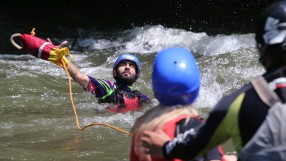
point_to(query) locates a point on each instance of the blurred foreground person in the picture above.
(176, 84)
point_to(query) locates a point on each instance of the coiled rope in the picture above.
(75, 112)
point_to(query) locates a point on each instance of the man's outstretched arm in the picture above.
(74, 72)
(77, 76)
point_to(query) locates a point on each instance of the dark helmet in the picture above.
(271, 33)
(175, 77)
(128, 57)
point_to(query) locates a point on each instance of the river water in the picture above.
(37, 121)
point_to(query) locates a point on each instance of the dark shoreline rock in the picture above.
(220, 16)
(60, 18)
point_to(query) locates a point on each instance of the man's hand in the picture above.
(62, 45)
(153, 142)
(58, 54)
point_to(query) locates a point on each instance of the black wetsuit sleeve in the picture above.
(197, 142)
(195, 122)
(188, 145)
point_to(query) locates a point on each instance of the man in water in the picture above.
(126, 71)
(121, 94)
(238, 115)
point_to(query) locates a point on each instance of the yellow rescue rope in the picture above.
(75, 113)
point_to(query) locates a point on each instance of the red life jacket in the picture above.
(170, 129)
(125, 101)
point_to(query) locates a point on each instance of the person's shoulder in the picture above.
(139, 93)
(233, 95)
(226, 101)
(189, 123)
(145, 98)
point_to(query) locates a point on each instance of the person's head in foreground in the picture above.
(271, 36)
(176, 85)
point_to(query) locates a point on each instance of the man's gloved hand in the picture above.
(58, 54)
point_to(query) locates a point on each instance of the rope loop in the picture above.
(13, 42)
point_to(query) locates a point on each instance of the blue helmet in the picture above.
(130, 58)
(175, 77)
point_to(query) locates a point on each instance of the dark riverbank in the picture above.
(61, 17)
(224, 15)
